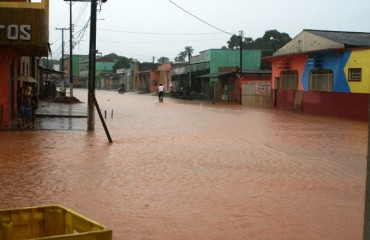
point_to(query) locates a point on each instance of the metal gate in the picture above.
(256, 94)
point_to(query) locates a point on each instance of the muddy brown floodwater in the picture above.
(191, 170)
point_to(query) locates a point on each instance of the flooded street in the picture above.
(190, 170)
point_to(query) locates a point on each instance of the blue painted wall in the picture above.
(333, 61)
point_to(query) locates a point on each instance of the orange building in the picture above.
(160, 76)
(24, 37)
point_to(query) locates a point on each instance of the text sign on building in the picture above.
(23, 27)
(263, 88)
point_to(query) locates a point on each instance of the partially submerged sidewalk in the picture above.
(61, 116)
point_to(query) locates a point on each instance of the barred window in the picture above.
(354, 74)
(289, 80)
(321, 80)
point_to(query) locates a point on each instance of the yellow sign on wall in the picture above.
(24, 29)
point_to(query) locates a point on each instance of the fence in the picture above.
(256, 94)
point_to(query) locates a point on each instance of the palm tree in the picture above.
(189, 51)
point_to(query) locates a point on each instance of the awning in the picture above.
(25, 79)
(217, 74)
(49, 71)
(256, 72)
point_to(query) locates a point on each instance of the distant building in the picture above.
(145, 80)
(79, 70)
(104, 67)
(215, 74)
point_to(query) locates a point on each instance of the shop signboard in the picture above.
(24, 28)
(197, 67)
(263, 88)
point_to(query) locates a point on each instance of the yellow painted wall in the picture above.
(359, 59)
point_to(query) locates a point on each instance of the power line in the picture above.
(152, 42)
(152, 33)
(200, 19)
(80, 34)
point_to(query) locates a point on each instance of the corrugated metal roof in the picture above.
(358, 39)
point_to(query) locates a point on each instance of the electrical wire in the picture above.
(175, 41)
(153, 33)
(80, 34)
(200, 18)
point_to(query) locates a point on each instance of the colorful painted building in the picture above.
(24, 37)
(161, 76)
(103, 67)
(144, 80)
(213, 73)
(79, 70)
(324, 73)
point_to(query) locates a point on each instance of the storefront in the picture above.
(24, 36)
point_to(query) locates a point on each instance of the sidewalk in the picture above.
(61, 116)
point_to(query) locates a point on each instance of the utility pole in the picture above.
(62, 29)
(91, 100)
(241, 33)
(92, 69)
(70, 51)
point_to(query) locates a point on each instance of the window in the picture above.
(321, 80)
(354, 74)
(289, 80)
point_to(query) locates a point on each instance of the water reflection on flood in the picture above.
(190, 170)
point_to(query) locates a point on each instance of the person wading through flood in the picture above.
(160, 92)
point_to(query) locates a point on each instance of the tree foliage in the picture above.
(112, 56)
(187, 53)
(122, 62)
(181, 57)
(163, 60)
(272, 39)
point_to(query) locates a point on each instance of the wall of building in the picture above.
(4, 89)
(285, 99)
(359, 59)
(291, 63)
(333, 61)
(10, 65)
(343, 105)
(338, 62)
(229, 58)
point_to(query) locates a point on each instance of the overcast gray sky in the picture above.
(143, 29)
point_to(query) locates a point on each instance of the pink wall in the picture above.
(297, 63)
(352, 106)
(343, 105)
(162, 76)
(285, 99)
(154, 76)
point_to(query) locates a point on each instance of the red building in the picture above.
(24, 37)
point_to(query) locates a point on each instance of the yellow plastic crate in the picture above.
(49, 222)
